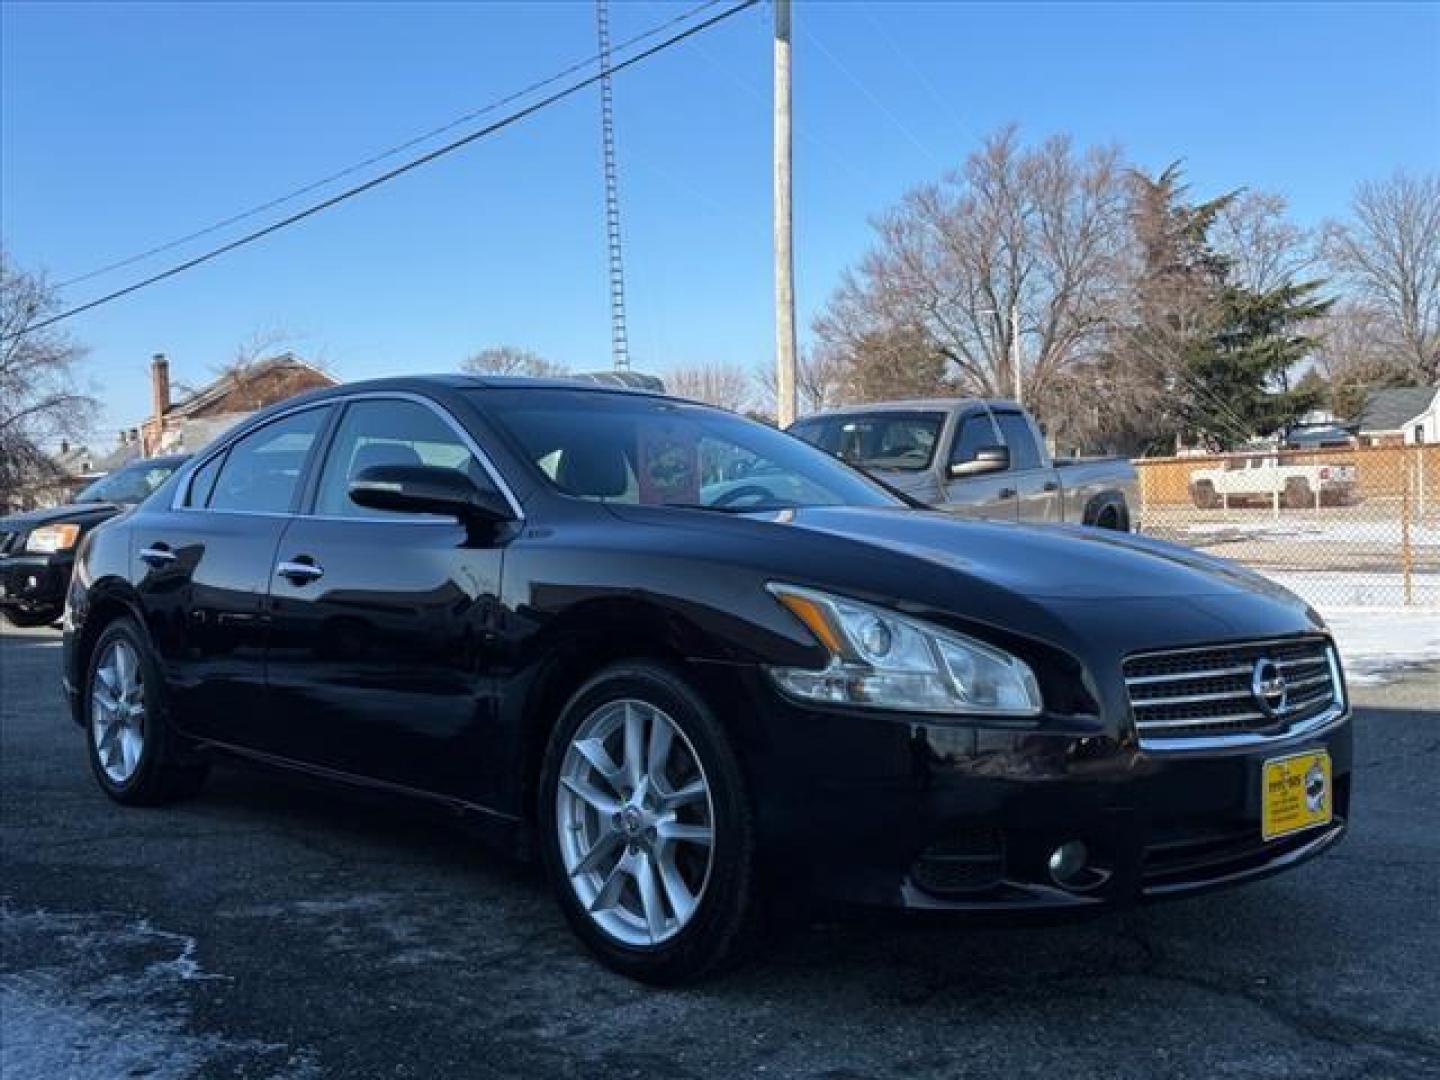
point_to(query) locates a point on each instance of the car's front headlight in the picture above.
(889, 661)
(52, 538)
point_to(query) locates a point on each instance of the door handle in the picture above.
(157, 555)
(1052, 485)
(299, 573)
(1006, 493)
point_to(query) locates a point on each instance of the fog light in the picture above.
(1068, 860)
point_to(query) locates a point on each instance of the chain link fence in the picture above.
(1344, 528)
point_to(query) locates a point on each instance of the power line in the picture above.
(383, 155)
(414, 163)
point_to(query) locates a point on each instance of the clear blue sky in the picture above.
(124, 125)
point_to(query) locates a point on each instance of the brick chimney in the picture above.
(160, 385)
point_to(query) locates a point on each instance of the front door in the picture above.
(987, 495)
(203, 568)
(381, 621)
(1037, 488)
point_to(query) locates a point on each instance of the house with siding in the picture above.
(1400, 415)
(186, 425)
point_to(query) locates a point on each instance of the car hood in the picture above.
(1043, 561)
(79, 512)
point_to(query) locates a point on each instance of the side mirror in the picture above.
(428, 489)
(987, 459)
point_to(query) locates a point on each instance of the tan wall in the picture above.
(1382, 472)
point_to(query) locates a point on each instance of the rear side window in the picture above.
(1024, 454)
(389, 433)
(261, 473)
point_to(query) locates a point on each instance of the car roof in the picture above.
(456, 381)
(910, 405)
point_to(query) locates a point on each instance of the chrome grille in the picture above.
(1210, 692)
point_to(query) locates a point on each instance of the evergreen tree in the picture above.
(1210, 357)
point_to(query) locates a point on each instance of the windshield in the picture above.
(659, 452)
(888, 440)
(132, 484)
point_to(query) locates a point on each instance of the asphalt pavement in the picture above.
(274, 929)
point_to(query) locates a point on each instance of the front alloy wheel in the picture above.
(646, 828)
(635, 822)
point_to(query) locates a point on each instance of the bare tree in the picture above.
(1389, 253)
(40, 399)
(724, 385)
(1264, 247)
(1353, 356)
(511, 360)
(821, 381)
(1039, 228)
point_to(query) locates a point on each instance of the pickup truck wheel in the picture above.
(1204, 495)
(1298, 494)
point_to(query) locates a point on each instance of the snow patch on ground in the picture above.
(1327, 532)
(102, 996)
(1341, 590)
(1376, 647)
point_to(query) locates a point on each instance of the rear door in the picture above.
(992, 496)
(382, 628)
(203, 565)
(1033, 478)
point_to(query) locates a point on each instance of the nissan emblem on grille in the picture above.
(1269, 686)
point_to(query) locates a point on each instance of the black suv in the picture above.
(37, 549)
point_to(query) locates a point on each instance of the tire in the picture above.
(1297, 495)
(703, 897)
(26, 620)
(1112, 516)
(136, 758)
(1204, 496)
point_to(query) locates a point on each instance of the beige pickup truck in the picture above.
(977, 459)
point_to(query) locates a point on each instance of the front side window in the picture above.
(1024, 453)
(389, 433)
(261, 473)
(976, 433)
(655, 451)
(903, 441)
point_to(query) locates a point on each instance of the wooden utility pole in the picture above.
(785, 404)
(1015, 351)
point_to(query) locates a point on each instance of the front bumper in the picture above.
(895, 812)
(35, 583)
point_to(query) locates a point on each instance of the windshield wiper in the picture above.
(763, 508)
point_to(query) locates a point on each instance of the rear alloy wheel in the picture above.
(133, 754)
(646, 832)
(117, 711)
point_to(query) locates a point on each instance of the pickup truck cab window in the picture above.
(1024, 451)
(976, 431)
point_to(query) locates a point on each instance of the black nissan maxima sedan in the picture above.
(588, 620)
